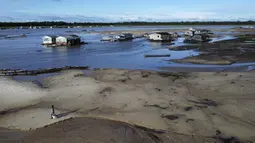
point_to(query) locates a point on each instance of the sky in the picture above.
(126, 10)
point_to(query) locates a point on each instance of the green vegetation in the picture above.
(64, 24)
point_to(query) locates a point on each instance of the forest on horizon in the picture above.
(62, 23)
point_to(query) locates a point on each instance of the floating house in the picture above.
(197, 35)
(160, 36)
(124, 37)
(64, 40)
(146, 35)
(49, 39)
(202, 31)
(192, 32)
(175, 35)
(68, 40)
(197, 39)
(109, 38)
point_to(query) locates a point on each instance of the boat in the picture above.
(109, 38)
(15, 36)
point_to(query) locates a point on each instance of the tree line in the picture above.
(62, 23)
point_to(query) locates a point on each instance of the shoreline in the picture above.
(226, 52)
(192, 104)
(207, 102)
(37, 79)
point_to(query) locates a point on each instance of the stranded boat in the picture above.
(122, 37)
(14, 36)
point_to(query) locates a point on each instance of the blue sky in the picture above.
(126, 10)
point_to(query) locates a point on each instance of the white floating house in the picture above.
(160, 36)
(49, 40)
(68, 40)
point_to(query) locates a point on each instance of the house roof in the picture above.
(52, 36)
(196, 29)
(73, 35)
(204, 30)
(125, 34)
(70, 37)
(163, 33)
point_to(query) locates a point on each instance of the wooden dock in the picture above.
(156, 56)
(16, 72)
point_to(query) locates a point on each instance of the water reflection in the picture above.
(222, 38)
(159, 45)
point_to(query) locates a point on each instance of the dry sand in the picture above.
(186, 107)
(16, 95)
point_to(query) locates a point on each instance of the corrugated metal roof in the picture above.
(163, 33)
(52, 36)
(70, 37)
(198, 29)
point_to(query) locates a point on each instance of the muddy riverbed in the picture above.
(227, 52)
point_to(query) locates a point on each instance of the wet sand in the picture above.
(218, 32)
(142, 32)
(160, 107)
(221, 52)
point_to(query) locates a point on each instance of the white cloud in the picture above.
(191, 15)
(174, 16)
(179, 16)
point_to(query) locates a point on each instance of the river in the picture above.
(28, 53)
